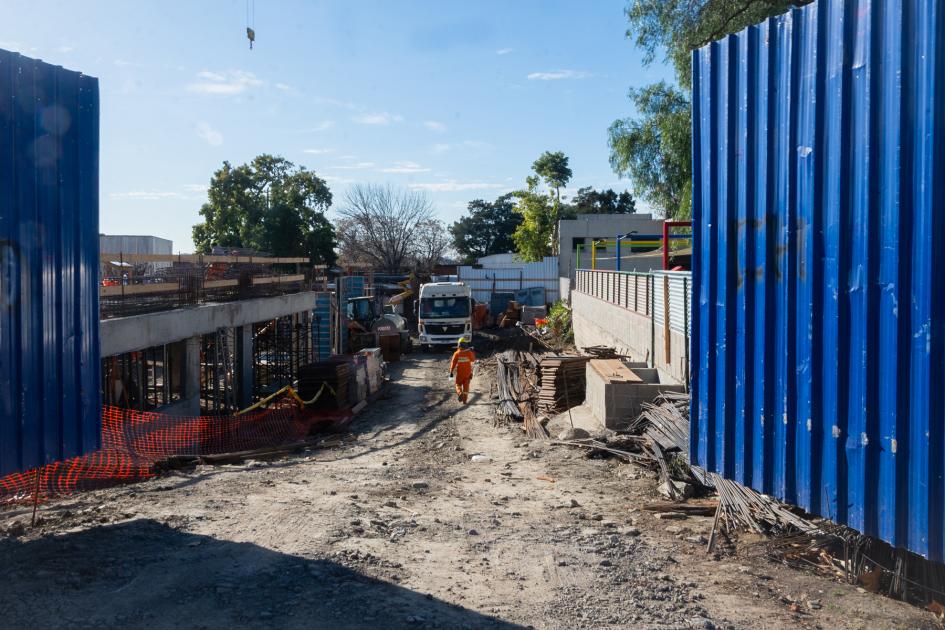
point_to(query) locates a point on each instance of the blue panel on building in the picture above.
(49, 347)
(819, 216)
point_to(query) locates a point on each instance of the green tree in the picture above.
(534, 235)
(270, 205)
(677, 27)
(553, 169)
(590, 201)
(487, 229)
(653, 149)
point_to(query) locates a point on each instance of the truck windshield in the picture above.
(444, 307)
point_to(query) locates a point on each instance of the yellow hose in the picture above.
(288, 389)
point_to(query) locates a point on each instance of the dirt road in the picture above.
(400, 527)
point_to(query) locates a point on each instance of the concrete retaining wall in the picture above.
(600, 323)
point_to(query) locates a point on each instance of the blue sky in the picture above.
(453, 98)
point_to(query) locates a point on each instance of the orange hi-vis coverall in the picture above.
(462, 365)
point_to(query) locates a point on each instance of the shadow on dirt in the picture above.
(145, 574)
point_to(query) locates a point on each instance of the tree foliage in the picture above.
(533, 236)
(381, 225)
(486, 229)
(653, 148)
(590, 201)
(270, 205)
(552, 168)
(677, 27)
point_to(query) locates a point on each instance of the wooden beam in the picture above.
(216, 284)
(138, 289)
(273, 279)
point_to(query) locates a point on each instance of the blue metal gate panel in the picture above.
(49, 347)
(818, 372)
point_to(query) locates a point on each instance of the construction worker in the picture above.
(462, 365)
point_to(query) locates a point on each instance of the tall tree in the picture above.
(533, 237)
(270, 205)
(653, 149)
(677, 27)
(431, 244)
(590, 201)
(379, 224)
(487, 229)
(553, 169)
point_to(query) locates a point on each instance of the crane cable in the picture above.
(251, 22)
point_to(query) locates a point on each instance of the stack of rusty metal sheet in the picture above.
(562, 382)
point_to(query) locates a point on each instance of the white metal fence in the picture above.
(643, 293)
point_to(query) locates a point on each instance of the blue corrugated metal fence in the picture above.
(819, 215)
(49, 347)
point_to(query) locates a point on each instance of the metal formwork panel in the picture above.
(49, 346)
(819, 221)
(321, 326)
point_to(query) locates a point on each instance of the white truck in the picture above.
(444, 313)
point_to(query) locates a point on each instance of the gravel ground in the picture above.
(399, 527)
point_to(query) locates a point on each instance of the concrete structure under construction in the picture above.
(207, 358)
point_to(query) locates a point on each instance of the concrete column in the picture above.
(185, 357)
(244, 365)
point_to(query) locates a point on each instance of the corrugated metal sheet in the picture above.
(514, 277)
(819, 208)
(321, 326)
(679, 290)
(49, 347)
(130, 244)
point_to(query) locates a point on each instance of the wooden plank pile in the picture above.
(562, 382)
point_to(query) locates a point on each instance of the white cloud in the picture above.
(212, 137)
(434, 125)
(454, 186)
(354, 167)
(504, 51)
(197, 188)
(124, 63)
(316, 151)
(440, 147)
(405, 167)
(558, 75)
(64, 49)
(146, 195)
(230, 84)
(322, 126)
(348, 157)
(285, 87)
(378, 118)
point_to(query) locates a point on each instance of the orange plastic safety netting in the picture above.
(133, 442)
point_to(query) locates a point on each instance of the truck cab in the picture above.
(444, 313)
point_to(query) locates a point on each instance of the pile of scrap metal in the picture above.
(788, 535)
(517, 376)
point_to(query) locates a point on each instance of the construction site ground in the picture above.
(403, 525)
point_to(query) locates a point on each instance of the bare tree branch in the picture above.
(378, 224)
